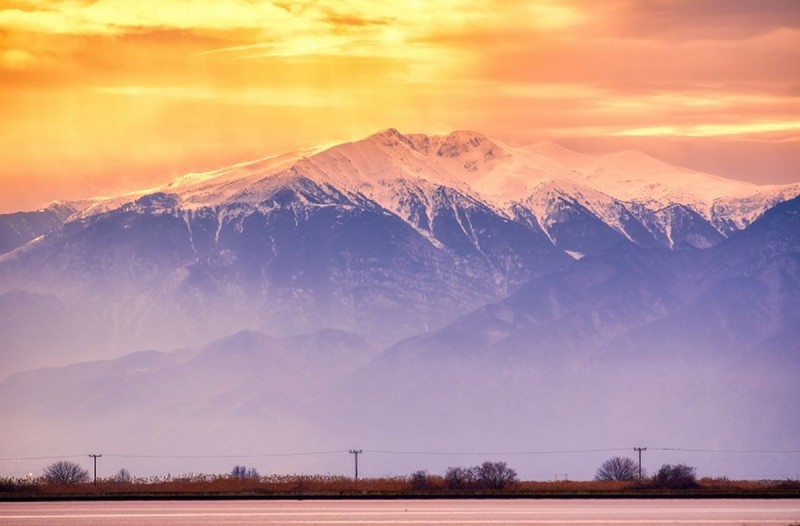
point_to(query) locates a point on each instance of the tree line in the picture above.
(485, 476)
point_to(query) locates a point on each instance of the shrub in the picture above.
(420, 480)
(675, 476)
(495, 475)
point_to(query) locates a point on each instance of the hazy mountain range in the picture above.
(410, 292)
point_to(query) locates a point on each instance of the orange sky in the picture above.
(104, 96)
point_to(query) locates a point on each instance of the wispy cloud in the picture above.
(712, 130)
(270, 97)
(702, 19)
(114, 17)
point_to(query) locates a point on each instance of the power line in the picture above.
(495, 453)
(411, 452)
(51, 457)
(746, 451)
(260, 455)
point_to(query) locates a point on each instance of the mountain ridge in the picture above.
(387, 167)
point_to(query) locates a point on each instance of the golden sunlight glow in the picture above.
(712, 130)
(100, 96)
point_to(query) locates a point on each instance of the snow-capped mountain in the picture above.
(416, 176)
(387, 236)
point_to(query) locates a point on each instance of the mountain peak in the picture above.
(391, 138)
(388, 134)
(451, 145)
(460, 142)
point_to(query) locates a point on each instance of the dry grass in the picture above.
(576, 486)
(216, 485)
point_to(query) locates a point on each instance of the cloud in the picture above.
(113, 17)
(713, 130)
(17, 59)
(269, 96)
(347, 20)
(703, 19)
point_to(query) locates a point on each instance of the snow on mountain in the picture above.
(548, 200)
(731, 213)
(388, 167)
(629, 191)
(20, 228)
(635, 176)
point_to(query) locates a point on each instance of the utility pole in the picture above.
(95, 457)
(355, 453)
(639, 450)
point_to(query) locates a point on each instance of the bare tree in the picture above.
(495, 475)
(123, 476)
(617, 468)
(489, 475)
(65, 472)
(460, 478)
(243, 472)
